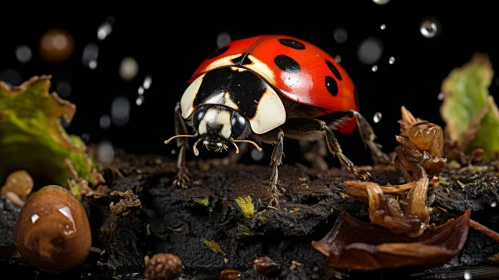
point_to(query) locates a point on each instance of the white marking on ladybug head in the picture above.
(215, 127)
(270, 113)
(189, 96)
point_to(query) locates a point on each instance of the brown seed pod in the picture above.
(17, 187)
(56, 45)
(265, 266)
(52, 231)
(163, 267)
(230, 274)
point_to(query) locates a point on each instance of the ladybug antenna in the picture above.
(235, 145)
(195, 149)
(178, 136)
(248, 141)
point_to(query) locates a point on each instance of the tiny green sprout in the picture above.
(246, 206)
(213, 246)
(244, 229)
(203, 201)
(442, 181)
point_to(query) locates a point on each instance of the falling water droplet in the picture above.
(105, 122)
(140, 100)
(377, 117)
(256, 155)
(105, 152)
(128, 68)
(383, 27)
(375, 68)
(147, 82)
(493, 204)
(429, 28)
(104, 30)
(340, 35)
(440, 96)
(391, 60)
(337, 58)
(120, 111)
(223, 39)
(90, 55)
(381, 2)
(23, 54)
(370, 50)
(63, 89)
(467, 275)
(92, 64)
(140, 91)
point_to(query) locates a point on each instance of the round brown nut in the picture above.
(56, 45)
(230, 274)
(163, 267)
(17, 187)
(52, 231)
(265, 266)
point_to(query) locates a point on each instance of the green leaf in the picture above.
(33, 139)
(471, 115)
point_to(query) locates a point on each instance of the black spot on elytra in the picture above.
(218, 52)
(242, 60)
(287, 64)
(334, 70)
(244, 89)
(331, 85)
(292, 44)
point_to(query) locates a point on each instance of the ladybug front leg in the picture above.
(275, 137)
(181, 128)
(367, 134)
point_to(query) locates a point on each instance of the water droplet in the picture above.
(173, 151)
(11, 77)
(391, 60)
(63, 89)
(340, 35)
(256, 155)
(493, 204)
(92, 64)
(370, 50)
(120, 111)
(104, 30)
(429, 28)
(85, 137)
(105, 152)
(467, 275)
(23, 54)
(140, 100)
(381, 2)
(140, 91)
(383, 27)
(128, 68)
(377, 117)
(147, 82)
(105, 122)
(223, 39)
(374, 68)
(337, 58)
(90, 53)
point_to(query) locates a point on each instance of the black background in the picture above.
(169, 42)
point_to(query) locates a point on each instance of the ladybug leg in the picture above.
(367, 134)
(276, 137)
(181, 128)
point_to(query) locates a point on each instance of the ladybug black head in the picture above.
(217, 126)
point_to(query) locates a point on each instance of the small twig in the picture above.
(485, 230)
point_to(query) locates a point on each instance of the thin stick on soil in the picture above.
(485, 230)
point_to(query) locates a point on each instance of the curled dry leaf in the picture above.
(17, 187)
(421, 143)
(402, 209)
(353, 244)
(33, 139)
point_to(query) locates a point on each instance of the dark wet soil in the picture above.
(156, 218)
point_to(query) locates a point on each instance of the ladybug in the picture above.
(262, 89)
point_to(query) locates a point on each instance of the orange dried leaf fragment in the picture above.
(353, 244)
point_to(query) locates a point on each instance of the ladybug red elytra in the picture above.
(266, 88)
